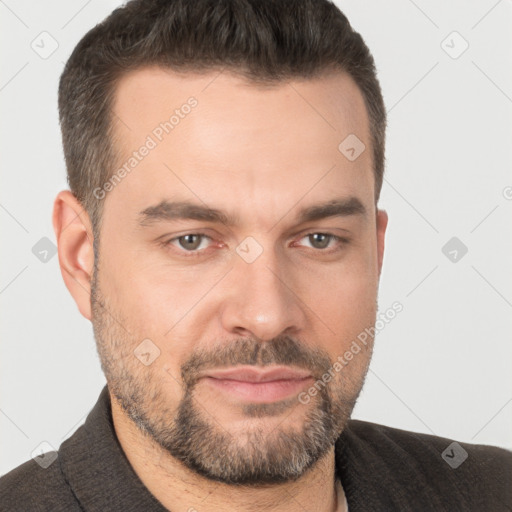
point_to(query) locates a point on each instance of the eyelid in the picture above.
(339, 239)
(168, 243)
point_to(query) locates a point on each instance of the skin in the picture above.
(262, 154)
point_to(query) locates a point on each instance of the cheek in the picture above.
(163, 306)
(343, 294)
(147, 294)
(345, 306)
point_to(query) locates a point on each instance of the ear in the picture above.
(382, 223)
(73, 231)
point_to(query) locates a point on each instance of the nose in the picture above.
(260, 300)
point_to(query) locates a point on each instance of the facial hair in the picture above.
(254, 457)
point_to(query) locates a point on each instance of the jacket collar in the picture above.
(97, 470)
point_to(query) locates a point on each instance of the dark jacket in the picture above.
(381, 469)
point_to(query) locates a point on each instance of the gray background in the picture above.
(441, 366)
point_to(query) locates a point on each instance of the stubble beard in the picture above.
(253, 457)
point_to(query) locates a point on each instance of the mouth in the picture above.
(258, 386)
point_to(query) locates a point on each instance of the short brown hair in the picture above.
(262, 40)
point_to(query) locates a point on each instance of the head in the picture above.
(225, 161)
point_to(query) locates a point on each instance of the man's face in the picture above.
(268, 285)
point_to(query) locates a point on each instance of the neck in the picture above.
(178, 488)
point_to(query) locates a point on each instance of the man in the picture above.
(222, 234)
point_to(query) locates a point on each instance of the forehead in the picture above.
(330, 103)
(217, 137)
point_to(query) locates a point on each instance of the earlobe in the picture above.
(73, 232)
(382, 223)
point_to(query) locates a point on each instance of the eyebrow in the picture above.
(185, 210)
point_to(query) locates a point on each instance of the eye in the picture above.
(323, 241)
(197, 243)
(191, 242)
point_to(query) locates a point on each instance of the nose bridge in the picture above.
(261, 300)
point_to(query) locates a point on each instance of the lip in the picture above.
(251, 374)
(258, 386)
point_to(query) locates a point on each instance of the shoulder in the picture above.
(37, 488)
(394, 439)
(428, 465)
(372, 437)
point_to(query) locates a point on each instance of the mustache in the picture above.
(282, 350)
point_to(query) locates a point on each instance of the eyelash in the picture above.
(196, 253)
